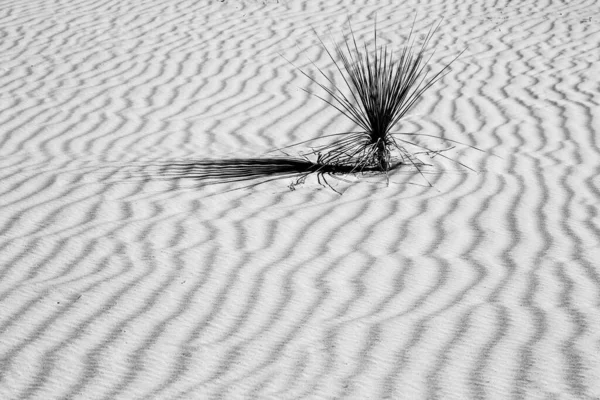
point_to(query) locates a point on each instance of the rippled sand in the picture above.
(123, 276)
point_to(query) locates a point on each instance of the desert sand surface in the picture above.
(124, 278)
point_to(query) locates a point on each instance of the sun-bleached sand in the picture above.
(120, 280)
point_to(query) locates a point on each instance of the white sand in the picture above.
(113, 286)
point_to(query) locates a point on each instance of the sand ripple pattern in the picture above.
(118, 284)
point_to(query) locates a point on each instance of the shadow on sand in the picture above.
(215, 171)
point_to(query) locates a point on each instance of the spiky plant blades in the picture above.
(382, 86)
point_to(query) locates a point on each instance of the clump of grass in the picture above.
(382, 86)
(379, 89)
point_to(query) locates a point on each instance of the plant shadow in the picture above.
(215, 171)
(255, 171)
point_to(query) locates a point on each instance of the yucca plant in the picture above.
(378, 90)
(381, 87)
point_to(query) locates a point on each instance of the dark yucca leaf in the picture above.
(382, 88)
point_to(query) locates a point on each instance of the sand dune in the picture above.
(125, 276)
